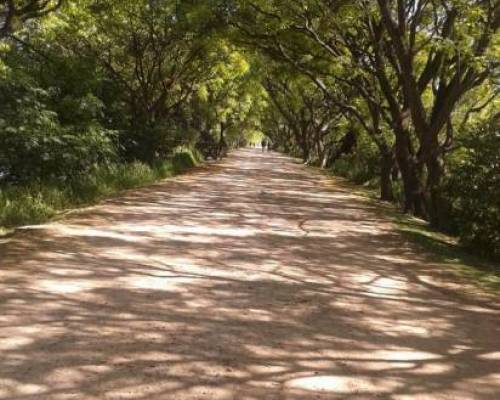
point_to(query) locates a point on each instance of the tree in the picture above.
(13, 13)
(419, 57)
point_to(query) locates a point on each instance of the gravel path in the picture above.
(252, 279)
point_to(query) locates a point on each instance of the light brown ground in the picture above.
(251, 279)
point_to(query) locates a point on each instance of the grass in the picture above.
(38, 203)
(446, 249)
(449, 252)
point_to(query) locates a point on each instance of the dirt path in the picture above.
(249, 280)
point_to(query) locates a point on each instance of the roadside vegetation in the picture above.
(38, 202)
(401, 96)
(102, 96)
(446, 250)
(450, 253)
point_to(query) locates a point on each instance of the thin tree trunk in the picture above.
(222, 142)
(386, 166)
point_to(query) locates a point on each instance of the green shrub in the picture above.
(128, 176)
(90, 188)
(473, 189)
(198, 157)
(362, 166)
(185, 158)
(36, 203)
(21, 207)
(35, 146)
(357, 171)
(163, 169)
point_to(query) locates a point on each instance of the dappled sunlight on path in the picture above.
(250, 279)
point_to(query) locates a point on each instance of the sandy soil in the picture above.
(251, 279)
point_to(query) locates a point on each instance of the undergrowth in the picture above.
(38, 202)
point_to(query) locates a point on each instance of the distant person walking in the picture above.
(264, 145)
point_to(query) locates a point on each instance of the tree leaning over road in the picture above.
(404, 71)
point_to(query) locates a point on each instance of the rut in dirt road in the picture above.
(252, 279)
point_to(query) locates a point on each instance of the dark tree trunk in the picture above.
(306, 151)
(438, 206)
(414, 193)
(222, 147)
(386, 167)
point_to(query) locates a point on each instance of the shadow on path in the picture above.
(247, 280)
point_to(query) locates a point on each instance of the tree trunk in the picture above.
(305, 151)
(438, 207)
(414, 193)
(386, 166)
(222, 142)
(320, 152)
(324, 158)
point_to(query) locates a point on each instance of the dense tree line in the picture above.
(402, 94)
(97, 96)
(414, 85)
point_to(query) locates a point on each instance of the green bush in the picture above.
(473, 189)
(197, 156)
(182, 160)
(128, 176)
(23, 206)
(164, 169)
(35, 146)
(185, 158)
(362, 166)
(92, 187)
(36, 203)
(356, 170)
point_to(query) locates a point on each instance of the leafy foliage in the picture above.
(35, 145)
(37, 202)
(473, 187)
